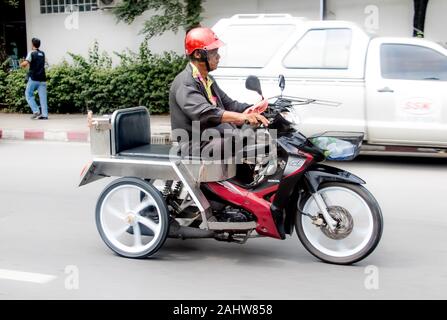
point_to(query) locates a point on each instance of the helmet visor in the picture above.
(214, 45)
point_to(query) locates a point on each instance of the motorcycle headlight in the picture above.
(291, 117)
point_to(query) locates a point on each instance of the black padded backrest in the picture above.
(131, 128)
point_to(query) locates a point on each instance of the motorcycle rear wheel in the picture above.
(360, 224)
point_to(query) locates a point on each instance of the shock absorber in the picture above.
(177, 189)
(167, 188)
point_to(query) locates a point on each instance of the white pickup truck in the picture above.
(392, 89)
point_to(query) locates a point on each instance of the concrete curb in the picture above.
(66, 128)
(64, 136)
(48, 135)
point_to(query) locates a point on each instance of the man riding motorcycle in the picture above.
(195, 96)
(335, 217)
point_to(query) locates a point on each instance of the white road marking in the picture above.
(25, 276)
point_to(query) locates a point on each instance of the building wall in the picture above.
(99, 25)
(435, 22)
(380, 17)
(215, 9)
(394, 17)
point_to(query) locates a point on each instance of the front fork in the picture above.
(314, 177)
(323, 203)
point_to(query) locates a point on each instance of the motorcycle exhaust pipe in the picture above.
(181, 232)
(178, 232)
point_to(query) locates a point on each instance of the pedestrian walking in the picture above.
(36, 81)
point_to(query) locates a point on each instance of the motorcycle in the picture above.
(160, 195)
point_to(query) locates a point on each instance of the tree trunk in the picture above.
(420, 8)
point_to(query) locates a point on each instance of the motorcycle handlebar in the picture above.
(259, 126)
(296, 101)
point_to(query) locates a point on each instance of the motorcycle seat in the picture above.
(157, 151)
(161, 151)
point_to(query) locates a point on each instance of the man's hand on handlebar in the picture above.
(260, 107)
(255, 119)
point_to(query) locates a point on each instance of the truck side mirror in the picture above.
(282, 82)
(252, 83)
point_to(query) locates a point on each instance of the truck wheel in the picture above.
(132, 218)
(359, 228)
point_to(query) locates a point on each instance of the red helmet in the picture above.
(201, 38)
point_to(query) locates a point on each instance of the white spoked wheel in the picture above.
(359, 224)
(132, 218)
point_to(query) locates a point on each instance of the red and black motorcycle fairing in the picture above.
(274, 201)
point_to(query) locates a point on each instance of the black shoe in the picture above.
(42, 118)
(35, 115)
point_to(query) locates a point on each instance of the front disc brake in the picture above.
(345, 223)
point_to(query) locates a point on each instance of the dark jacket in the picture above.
(37, 66)
(188, 101)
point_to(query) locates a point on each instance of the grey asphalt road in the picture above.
(50, 249)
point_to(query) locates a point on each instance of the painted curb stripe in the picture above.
(34, 134)
(13, 134)
(77, 136)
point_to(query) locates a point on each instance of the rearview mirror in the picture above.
(252, 83)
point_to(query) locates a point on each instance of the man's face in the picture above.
(213, 59)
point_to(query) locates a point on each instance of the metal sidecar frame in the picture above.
(121, 147)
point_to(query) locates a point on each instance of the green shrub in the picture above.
(63, 86)
(92, 83)
(15, 91)
(3, 76)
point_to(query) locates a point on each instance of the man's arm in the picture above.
(240, 118)
(197, 107)
(25, 63)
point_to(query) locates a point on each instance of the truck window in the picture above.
(321, 49)
(251, 46)
(412, 62)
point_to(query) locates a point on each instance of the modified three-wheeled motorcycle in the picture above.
(163, 194)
